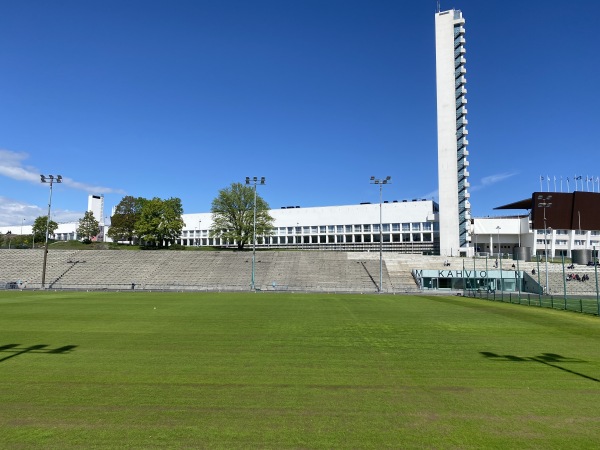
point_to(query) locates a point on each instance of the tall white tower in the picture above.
(96, 205)
(453, 173)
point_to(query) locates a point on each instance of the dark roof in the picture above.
(521, 204)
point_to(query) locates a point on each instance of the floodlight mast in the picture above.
(545, 201)
(380, 182)
(51, 179)
(254, 181)
(498, 228)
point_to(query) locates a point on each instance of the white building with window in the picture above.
(406, 227)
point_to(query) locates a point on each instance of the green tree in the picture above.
(122, 222)
(160, 221)
(233, 215)
(88, 227)
(39, 228)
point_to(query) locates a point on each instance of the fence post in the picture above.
(539, 280)
(595, 260)
(564, 280)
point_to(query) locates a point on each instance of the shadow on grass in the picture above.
(548, 359)
(17, 350)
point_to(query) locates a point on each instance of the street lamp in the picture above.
(48, 179)
(254, 181)
(380, 182)
(498, 228)
(545, 201)
(199, 233)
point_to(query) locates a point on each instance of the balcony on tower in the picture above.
(460, 61)
(461, 90)
(461, 101)
(459, 41)
(462, 111)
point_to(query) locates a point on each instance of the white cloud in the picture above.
(484, 183)
(492, 179)
(11, 209)
(11, 166)
(14, 212)
(89, 188)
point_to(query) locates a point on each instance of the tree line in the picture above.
(157, 223)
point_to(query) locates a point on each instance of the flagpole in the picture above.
(541, 186)
(568, 187)
(548, 182)
(555, 183)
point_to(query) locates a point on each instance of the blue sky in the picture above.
(182, 98)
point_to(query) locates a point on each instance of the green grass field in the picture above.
(222, 370)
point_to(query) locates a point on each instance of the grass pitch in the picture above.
(223, 370)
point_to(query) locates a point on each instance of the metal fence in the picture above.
(581, 304)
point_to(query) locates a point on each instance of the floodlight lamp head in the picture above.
(59, 178)
(247, 180)
(43, 178)
(262, 180)
(388, 178)
(255, 179)
(372, 178)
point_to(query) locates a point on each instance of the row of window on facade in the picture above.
(565, 242)
(566, 232)
(325, 239)
(337, 229)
